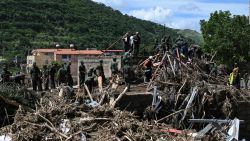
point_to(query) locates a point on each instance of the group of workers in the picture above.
(132, 43)
(180, 50)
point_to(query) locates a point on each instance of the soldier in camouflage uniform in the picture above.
(5, 76)
(127, 73)
(100, 71)
(52, 73)
(36, 77)
(90, 79)
(68, 75)
(82, 72)
(114, 67)
(62, 75)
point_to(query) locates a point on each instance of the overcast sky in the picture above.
(181, 14)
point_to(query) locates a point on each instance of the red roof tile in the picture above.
(79, 52)
(74, 52)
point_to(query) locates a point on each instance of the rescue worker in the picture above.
(127, 73)
(45, 76)
(131, 43)
(5, 76)
(114, 67)
(163, 46)
(137, 42)
(234, 79)
(69, 78)
(90, 79)
(36, 77)
(82, 72)
(52, 73)
(126, 57)
(184, 51)
(148, 64)
(99, 71)
(126, 42)
(62, 75)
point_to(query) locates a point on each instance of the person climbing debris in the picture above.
(137, 42)
(148, 64)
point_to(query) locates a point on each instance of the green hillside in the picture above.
(28, 24)
(194, 35)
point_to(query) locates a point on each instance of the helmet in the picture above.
(150, 57)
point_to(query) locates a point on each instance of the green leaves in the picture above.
(228, 35)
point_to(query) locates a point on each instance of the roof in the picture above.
(112, 50)
(74, 52)
(78, 52)
(44, 50)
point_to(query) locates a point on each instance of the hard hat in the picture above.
(150, 57)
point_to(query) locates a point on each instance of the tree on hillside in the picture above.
(228, 35)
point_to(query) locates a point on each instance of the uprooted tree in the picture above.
(227, 35)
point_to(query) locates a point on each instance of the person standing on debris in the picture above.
(90, 79)
(45, 76)
(131, 43)
(114, 67)
(52, 73)
(5, 76)
(234, 79)
(127, 73)
(82, 72)
(148, 64)
(36, 77)
(68, 75)
(100, 75)
(126, 42)
(163, 46)
(126, 57)
(62, 75)
(137, 42)
(184, 51)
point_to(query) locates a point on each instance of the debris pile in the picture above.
(181, 91)
(55, 120)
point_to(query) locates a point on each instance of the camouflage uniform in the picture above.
(5, 75)
(52, 73)
(62, 75)
(127, 75)
(82, 72)
(137, 42)
(90, 79)
(100, 71)
(68, 75)
(114, 67)
(36, 78)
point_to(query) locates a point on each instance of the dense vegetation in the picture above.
(228, 35)
(28, 24)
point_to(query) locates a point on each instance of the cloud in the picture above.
(157, 14)
(180, 14)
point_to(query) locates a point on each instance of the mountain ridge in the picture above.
(29, 24)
